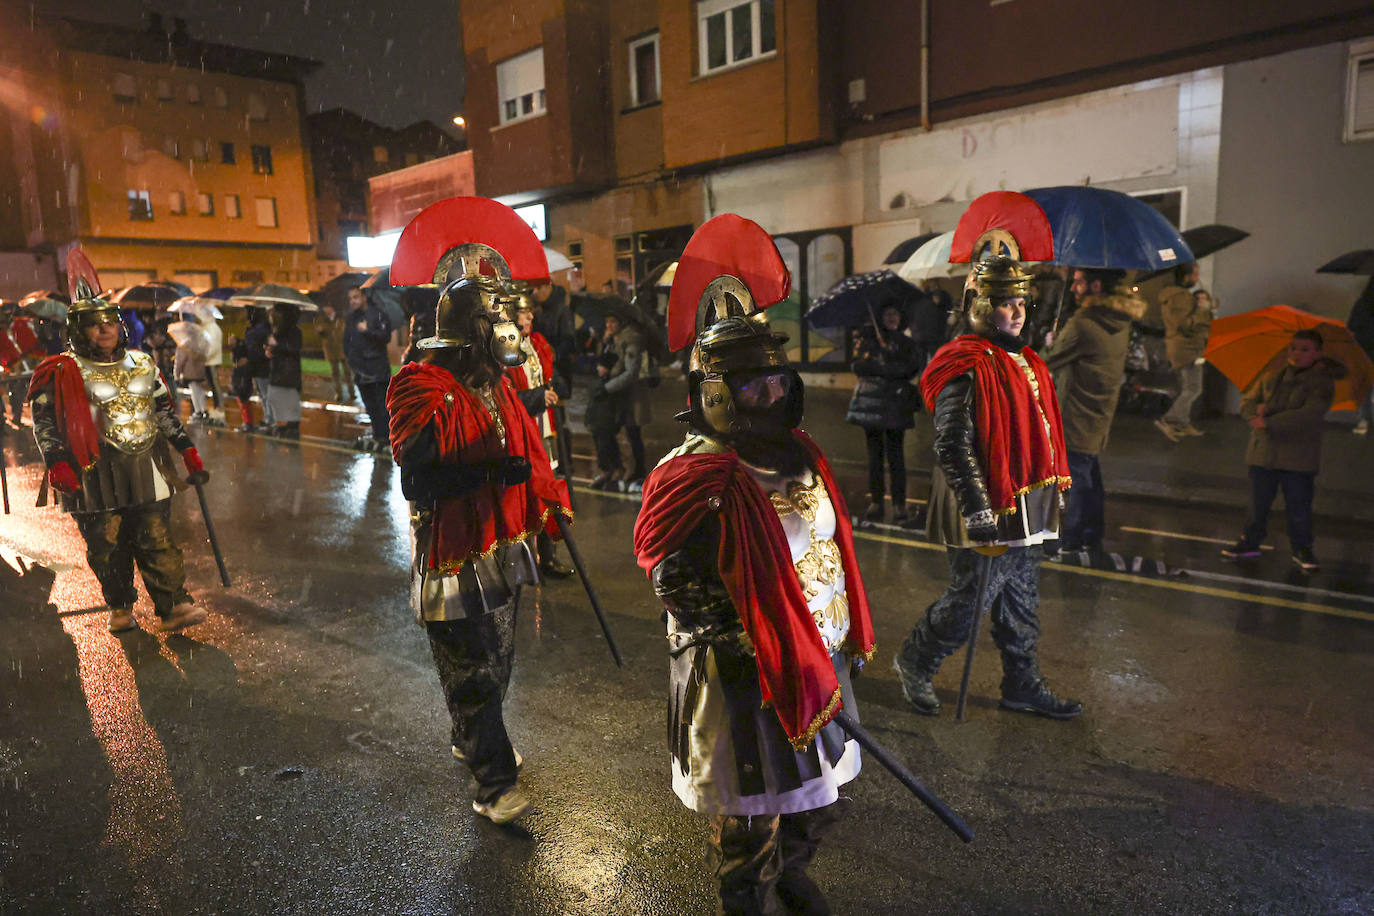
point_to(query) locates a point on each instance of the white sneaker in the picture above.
(519, 761)
(505, 809)
(1361, 428)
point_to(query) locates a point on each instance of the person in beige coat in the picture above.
(1285, 410)
(1187, 321)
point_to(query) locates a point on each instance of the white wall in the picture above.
(1150, 136)
(1287, 178)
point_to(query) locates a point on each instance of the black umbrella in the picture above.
(904, 251)
(1352, 262)
(151, 295)
(388, 298)
(859, 299)
(1204, 240)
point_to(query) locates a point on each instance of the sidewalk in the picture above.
(1139, 463)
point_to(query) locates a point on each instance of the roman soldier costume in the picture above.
(532, 379)
(747, 541)
(474, 469)
(104, 422)
(1001, 464)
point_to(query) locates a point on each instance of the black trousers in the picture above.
(474, 658)
(635, 435)
(1298, 487)
(607, 449)
(889, 444)
(760, 862)
(141, 534)
(374, 402)
(1085, 515)
(1014, 592)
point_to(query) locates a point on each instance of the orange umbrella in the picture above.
(1244, 346)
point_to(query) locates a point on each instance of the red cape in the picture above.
(1015, 453)
(474, 525)
(63, 376)
(795, 671)
(520, 378)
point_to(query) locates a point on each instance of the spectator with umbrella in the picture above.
(1187, 318)
(192, 346)
(284, 370)
(1088, 361)
(259, 365)
(884, 405)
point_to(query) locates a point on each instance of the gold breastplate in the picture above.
(820, 564)
(124, 396)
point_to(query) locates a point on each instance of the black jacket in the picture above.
(365, 350)
(255, 340)
(885, 397)
(286, 359)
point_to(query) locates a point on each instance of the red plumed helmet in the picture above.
(79, 267)
(1003, 223)
(725, 246)
(425, 251)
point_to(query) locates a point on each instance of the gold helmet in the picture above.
(476, 308)
(88, 309)
(992, 279)
(728, 267)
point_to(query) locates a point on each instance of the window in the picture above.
(231, 206)
(730, 32)
(247, 277)
(644, 70)
(164, 90)
(262, 160)
(267, 212)
(176, 203)
(257, 108)
(205, 203)
(172, 147)
(221, 98)
(380, 155)
(412, 158)
(575, 249)
(140, 205)
(125, 88)
(520, 86)
(1359, 93)
(226, 154)
(193, 93)
(200, 281)
(200, 150)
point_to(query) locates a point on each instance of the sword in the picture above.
(587, 584)
(985, 557)
(210, 530)
(4, 478)
(904, 776)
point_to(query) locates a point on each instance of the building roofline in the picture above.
(143, 44)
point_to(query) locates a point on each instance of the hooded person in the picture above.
(474, 469)
(747, 541)
(103, 420)
(1001, 463)
(1088, 362)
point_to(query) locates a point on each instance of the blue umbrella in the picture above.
(1095, 227)
(858, 299)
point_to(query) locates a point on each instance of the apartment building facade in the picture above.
(178, 159)
(634, 122)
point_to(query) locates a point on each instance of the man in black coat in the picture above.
(366, 333)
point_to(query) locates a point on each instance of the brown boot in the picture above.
(121, 619)
(182, 616)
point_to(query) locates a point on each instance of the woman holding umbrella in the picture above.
(284, 378)
(884, 405)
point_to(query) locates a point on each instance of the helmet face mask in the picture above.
(477, 312)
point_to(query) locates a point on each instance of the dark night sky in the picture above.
(394, 61)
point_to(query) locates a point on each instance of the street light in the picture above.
(459, 121)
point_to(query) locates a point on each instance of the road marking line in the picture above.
(1186, 537)
(1271, 600)
(1280, 586)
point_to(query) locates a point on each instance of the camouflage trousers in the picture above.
(142, 534)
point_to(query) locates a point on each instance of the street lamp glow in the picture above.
(459, 121)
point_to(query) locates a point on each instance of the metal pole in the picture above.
(210, 530)
(985, 558)
(587, 584)
(562, 441)
(904, 776)
(4, 477)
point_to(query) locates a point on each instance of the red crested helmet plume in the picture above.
(79, 267)
(726, 245)
(423, 253)
(1004, 223)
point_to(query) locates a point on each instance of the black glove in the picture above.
(511, 471)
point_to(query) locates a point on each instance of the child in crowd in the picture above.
(1285, 408)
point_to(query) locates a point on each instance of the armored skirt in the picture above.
(730, 755)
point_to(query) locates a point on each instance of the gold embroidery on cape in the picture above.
(488, 399)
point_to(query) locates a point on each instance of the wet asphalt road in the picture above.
(291, 754)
